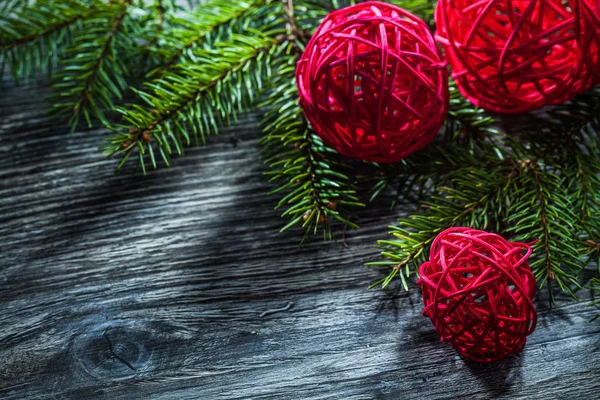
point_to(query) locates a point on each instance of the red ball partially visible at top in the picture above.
(372, 83)
(517, 56)
(477, 290)
(590, 13)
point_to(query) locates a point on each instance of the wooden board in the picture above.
(124, 286)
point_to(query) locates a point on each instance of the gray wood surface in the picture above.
(159, 287)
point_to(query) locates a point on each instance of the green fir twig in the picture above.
(194, 99)
(93, 73)
(315, 184)
(542, 183)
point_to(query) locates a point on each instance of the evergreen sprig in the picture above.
(93, 72)
(472, 193)
(193, 99)
(8, 7)
(153, 19)
(315, 184)
(539, 184)
(31, 37)
(214, 20)
(316, 187)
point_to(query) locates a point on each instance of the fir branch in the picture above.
(591, 250)
(595, 287)
(467, 124)
(160, 9)
(576, 153)
(37, 32)
(8, 7)
(542, 210)
(201, 27)
(475, 197)
(307, 15)
(32, 37)
(194, 99)
(549, 191)
(153, 22)
(93, 74)
(315, 183)
(565, 166)
(317, 187)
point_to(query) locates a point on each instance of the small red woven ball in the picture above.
(372, 83)
(477, 290)
(515, 56)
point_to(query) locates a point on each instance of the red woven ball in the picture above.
(590, 11)
(515, 56)
(477, 290)
(372, 84)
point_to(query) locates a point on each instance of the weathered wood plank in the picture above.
(123, 286)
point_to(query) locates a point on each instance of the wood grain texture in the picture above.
(159, 287)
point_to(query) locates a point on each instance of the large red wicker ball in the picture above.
(515, 56)
(590, 11)
(372, 83)
(477, 290)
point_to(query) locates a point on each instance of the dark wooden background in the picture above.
(124, 286)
